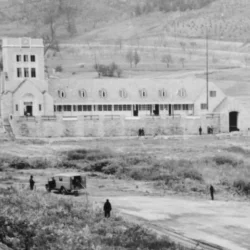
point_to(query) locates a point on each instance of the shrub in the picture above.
(20, 164)
(111, 70)
(98, 166)
(226, 159)
(59, 68)
(191, 174)
(242, 186)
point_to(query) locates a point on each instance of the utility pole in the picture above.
(207, 80)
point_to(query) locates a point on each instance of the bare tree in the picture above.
(182, 61)
(136, 58)
(183, 46)
(167, 59)
(130, 57)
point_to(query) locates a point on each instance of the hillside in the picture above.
(112, 19)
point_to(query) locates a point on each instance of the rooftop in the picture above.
(133, 88)
(24, 42)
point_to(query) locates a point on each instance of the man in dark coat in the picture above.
(32, 182)
(212, 192)
(107, 208)
(200, 130)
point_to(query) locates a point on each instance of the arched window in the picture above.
(83, 93)
(123, 93)
(182, 92)
(61, 94)
(103, 93)
(162, 93)
(143, 93)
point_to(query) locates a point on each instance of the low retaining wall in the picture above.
(109, 127)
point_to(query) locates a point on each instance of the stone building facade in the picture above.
(36, 106)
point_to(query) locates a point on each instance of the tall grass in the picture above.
(36, 220)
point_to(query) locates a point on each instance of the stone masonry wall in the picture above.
(107, 127)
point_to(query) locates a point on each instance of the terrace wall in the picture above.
(97, 126)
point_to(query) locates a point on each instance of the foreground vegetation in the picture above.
(38, 220)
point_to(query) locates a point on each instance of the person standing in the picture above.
(212, 192)
(200, 130)
(32, 182)
(107, 208)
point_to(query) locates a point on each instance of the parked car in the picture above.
(67, 183)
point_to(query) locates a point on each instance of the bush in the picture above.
(192, 174)
(98, 166)
(111, 70)
(42, 221)
(226, 159)
(242, 186)
(59, 68)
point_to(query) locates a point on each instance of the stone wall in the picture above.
(107, 127)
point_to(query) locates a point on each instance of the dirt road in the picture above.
(226, 224)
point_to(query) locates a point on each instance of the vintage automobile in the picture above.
(67, 183)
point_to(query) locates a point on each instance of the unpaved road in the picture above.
(226, 224)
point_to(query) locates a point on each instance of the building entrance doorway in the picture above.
(136, 110)
(157, 109)
(28, 109)
(233, 121)
(169, 109)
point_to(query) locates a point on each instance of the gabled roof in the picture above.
(193, 86)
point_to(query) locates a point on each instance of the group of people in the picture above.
(141, 132)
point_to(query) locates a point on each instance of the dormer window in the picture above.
(143, 93)
(61, 94)
(162, 93)
(83, 93)
(103, 93)
(182, 92)
(123, 93)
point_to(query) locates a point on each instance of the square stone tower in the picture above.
(23, 58)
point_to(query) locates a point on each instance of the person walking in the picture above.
(200, 130)
(212, 192)
(32, 183)
(107, 208)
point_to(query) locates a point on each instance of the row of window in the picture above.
(124, 94)
(124, 107)
(25, 58)
(26, 72)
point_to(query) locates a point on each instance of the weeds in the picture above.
(42, 221)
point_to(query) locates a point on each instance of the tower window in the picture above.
(16, 107)
(33, 72)
(32, 58)
(19, 72)
(18, 58)
(26, 72)
(25, 58)
(40, 107)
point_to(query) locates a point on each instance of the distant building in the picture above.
(25, 93)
